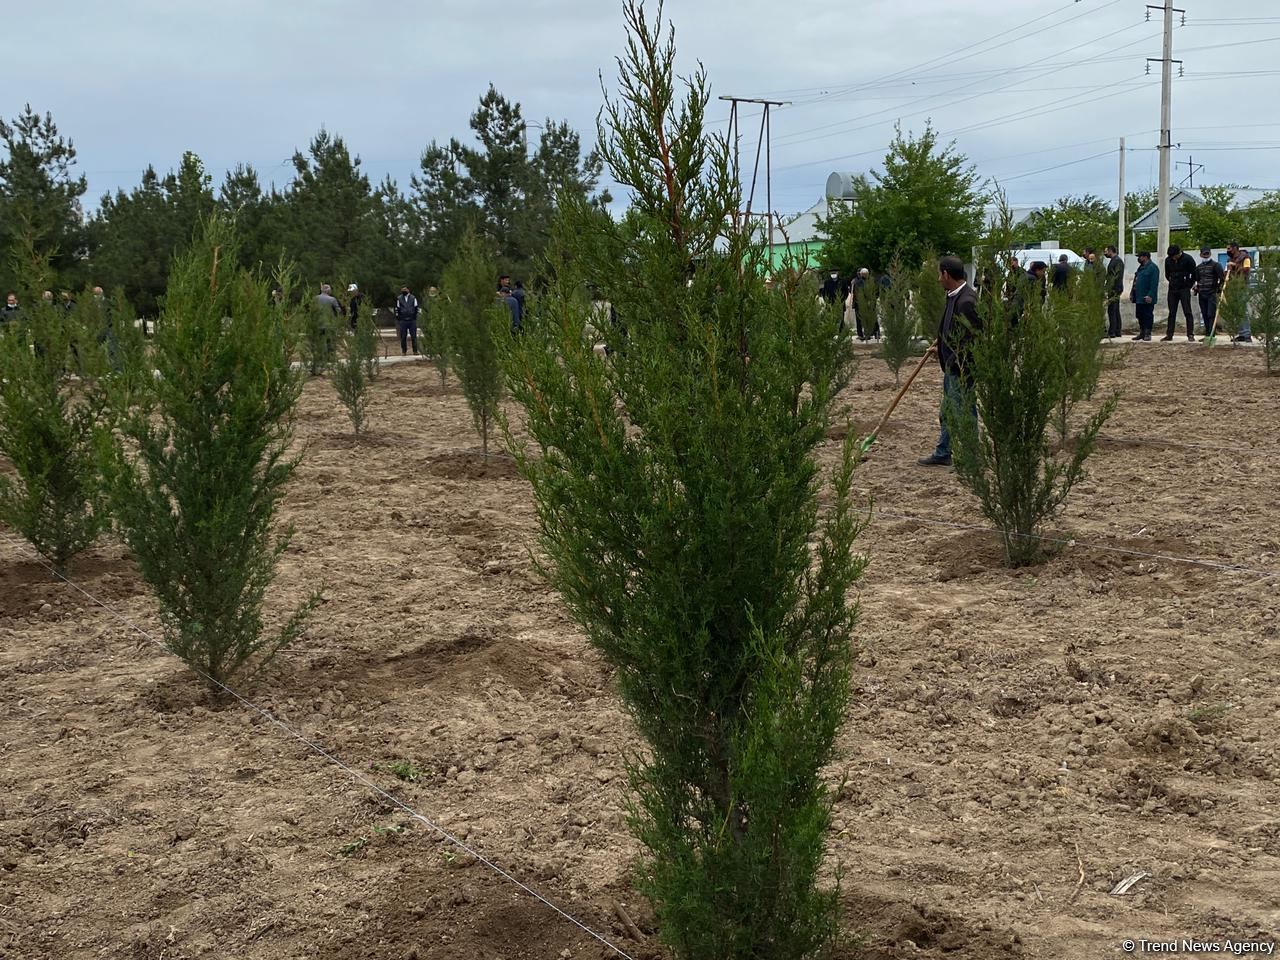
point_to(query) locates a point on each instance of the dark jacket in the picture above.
(1209, 276)
(9, 314)
(1061, 274)
(1146, 283)
(830, 289)
(1115, 278)
(1180, 271)
(353, 308)
(956, 330)
(407, 308)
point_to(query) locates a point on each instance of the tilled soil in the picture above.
(1019, 740)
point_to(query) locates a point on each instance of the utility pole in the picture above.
(1192, 169)
(1120, 244)
(763, 142)
(1166, 97)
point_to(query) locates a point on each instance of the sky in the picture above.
(1036, 94)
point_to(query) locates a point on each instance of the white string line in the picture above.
(312, 745)
(1212, 564)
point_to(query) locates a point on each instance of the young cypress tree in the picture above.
(473, 320)
(897, 325)
(1076, 316)
(677, 494)
(927, 299)
(1266, 309)
(432, 336)
(198, 467)
(1000, 421)
(350, 377)
(47, 429)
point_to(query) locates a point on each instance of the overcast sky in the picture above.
(1023, 87)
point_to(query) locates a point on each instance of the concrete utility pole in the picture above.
(1166, 141)
(1120, 244)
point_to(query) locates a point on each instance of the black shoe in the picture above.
(933, 460)
(1139, 337)
(1244, 338)
(1166, 338)
(1190, 338)
(1147, 338)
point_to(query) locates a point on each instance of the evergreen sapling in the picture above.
(473, 320)
(897, 325)
(676, 487)
(198, 467)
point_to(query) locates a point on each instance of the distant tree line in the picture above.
(329, 219)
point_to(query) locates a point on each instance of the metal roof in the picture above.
(1150, 220)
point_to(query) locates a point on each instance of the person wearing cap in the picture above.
(353, 305)
(1209, 277)
(407, 320)
(1145, 294)
(1239, 270)
(1180, 271)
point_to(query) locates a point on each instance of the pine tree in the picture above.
(473, 318)
(198, 467)
(677, 493)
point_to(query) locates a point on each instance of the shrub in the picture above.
(1021, 379)
(1266, 310)
(199, 466)
(350, 377)
(1077, 317)
(47, 428)
(1233, 306)
(897, 326)
(927, 299)
(367, 343)
(677, 494)
(473, 318)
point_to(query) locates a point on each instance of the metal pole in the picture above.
(1122, 204)
(768, 179)
(1166, 141)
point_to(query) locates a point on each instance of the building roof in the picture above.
(1245, 197)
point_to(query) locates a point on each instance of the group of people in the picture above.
(1208, 279)
(12, 311)
(407, 308)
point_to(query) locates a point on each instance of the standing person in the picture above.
(1239, 270)
(831, 288)
(1027, 283)
(69, 302)
(1209, 277)
(1146, 294)
(1180, 271)
(10, 312)
(1115, 287)
(407, 321)
(353, 305)
(327, 299)
(1061, 274)
(862, 310)
(956, 332)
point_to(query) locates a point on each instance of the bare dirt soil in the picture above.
(1018, 742)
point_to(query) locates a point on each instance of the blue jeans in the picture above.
(1208, 309)
(950, 398)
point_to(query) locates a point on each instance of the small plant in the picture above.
(403, 770)
(351, 380)
(1209, 714)
(473, 319)
(897, 326)
(433, 336)
(197, 468)
(48, 424)
(353, 846)
(1017, 382)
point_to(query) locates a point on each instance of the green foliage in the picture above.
(351, 379)
(319, 330)
(39, 200)
(928, 299)
(867, 298)
(1266, 308)
(197, 468)
(1213, 223)
(677, 489)
(136, 235)
(1233, 307)
(897, 326)
(927, 198)
(473, 319)
(1075, 222)
(47, 428)
(1022, 375)
(432, 335)
(1078, 316)
(367, 343)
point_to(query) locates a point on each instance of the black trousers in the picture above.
(1183, 298)
(1208, 310)
(1113, 318)
(407, 329)
(1146, 319)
